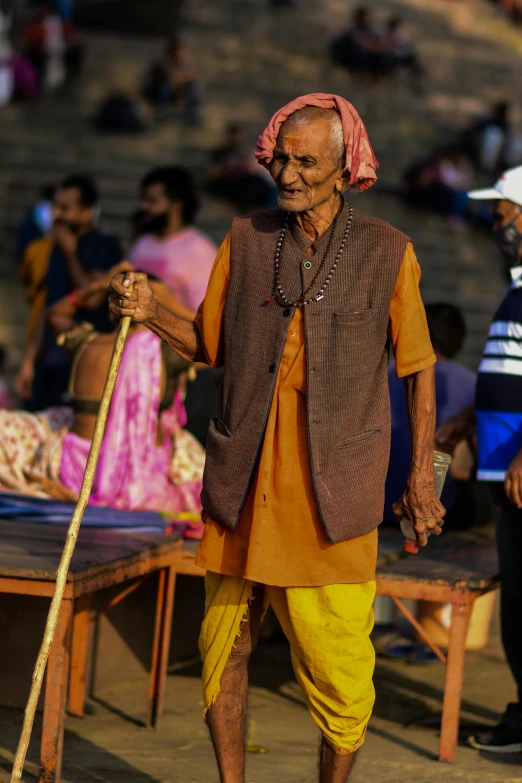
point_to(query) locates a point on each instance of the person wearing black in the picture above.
(497, 416)
(80, 252)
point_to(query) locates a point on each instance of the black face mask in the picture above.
(508, 239)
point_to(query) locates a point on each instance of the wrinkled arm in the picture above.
(199, 339)
(131, 295)
(419, 503)
(179, 334)
(420, 401)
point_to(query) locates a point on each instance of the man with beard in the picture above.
(302, 305)
(75, 253)
(181, 256)
(170, 247)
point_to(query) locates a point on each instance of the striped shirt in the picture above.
(498, 399)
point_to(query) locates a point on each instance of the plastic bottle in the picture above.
(441, 463)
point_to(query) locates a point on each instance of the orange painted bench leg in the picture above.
(55, 698)
(460, 616)
(79, 655)
(161, 643)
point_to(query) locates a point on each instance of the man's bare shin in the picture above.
(227, 718)
(334, 767)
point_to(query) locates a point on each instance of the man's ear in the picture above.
(342, 181)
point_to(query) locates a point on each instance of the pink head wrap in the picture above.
(360, 159)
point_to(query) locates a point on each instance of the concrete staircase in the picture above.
(254, 59)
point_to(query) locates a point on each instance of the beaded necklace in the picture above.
(279, 294)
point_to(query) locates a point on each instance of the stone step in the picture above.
(254, 59)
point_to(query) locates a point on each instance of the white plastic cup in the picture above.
(441, 463)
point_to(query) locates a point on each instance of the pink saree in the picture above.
(133, 473)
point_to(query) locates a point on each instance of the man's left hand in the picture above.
(513, 480)
(421, 506)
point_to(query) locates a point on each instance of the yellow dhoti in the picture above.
(328, 629)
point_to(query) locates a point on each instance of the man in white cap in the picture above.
(497, 416)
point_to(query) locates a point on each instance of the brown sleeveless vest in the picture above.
(347, 367)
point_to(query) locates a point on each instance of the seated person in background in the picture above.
(120, 112)
(455, 390)
(174, 80)
(74, 254)
(440, 183)
(234, 175)
(147, 461)
(53, 46)
(400, 53)
(487, 139)
(360, 47)
(18, 78)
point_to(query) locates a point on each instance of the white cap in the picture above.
(508, 187)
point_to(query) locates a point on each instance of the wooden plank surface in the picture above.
(32, 551)
(467, 559)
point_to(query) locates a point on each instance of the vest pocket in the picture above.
(356, 316)
(361, 437)
(220, 427)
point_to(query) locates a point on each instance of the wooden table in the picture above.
(29, 556)
(455, 568)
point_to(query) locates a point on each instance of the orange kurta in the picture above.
(280, 539)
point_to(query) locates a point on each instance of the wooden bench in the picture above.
(455, 568)
(29, 556)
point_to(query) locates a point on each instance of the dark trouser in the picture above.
(508, 524)
(200, 401)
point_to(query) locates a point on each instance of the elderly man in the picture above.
(498, 417)
(302, 304)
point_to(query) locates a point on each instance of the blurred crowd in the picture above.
(46, 53)
(377, 49)
(483, 150)
(67, 259)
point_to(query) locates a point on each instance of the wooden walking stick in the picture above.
(70, 543)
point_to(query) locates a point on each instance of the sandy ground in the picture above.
(111, 745)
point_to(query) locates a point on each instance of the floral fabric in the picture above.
(40, 457)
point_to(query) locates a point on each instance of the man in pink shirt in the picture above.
(181, 256)
(170, 247)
